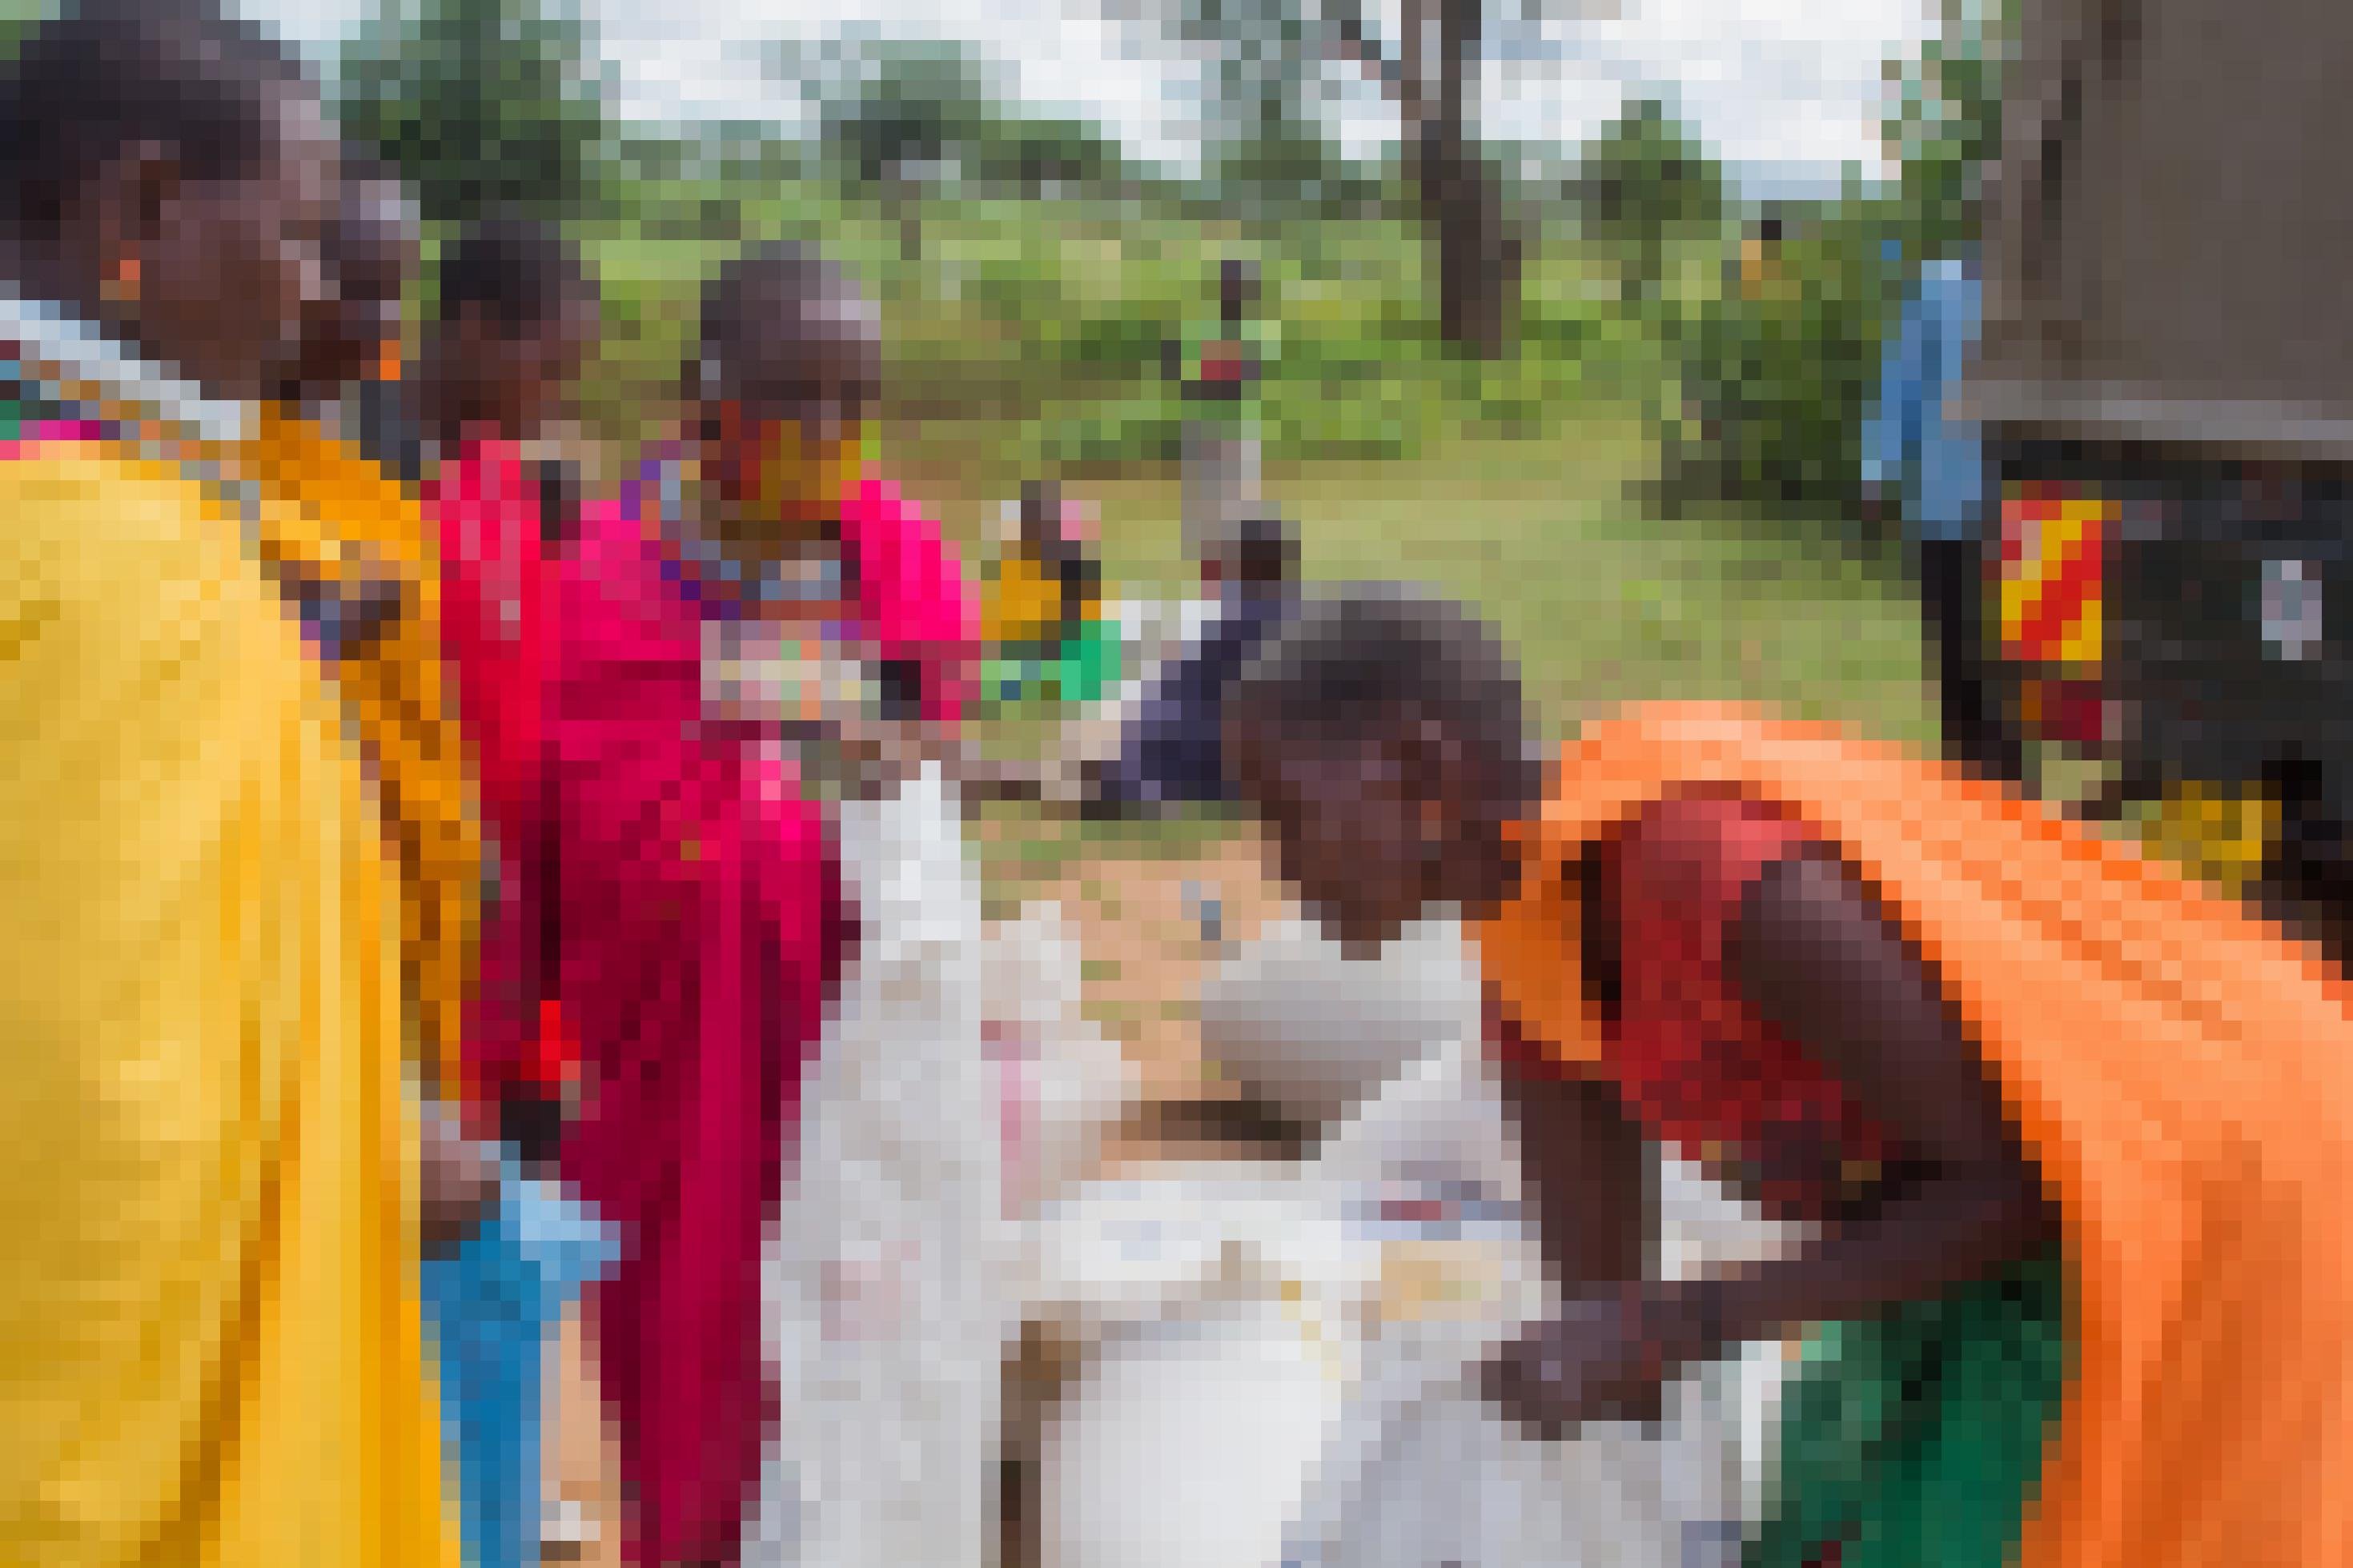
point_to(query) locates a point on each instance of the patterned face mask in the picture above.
(784, 471)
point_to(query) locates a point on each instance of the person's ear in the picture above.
(127, 208)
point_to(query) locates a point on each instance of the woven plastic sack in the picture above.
(957, 1085)
(888, 1280)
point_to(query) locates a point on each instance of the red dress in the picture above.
(498, 628)
(1702, 1072)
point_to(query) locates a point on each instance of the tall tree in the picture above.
(1263, 142)
(1642, 180)
(1461, 196)
(481, 104)
(901, 115)
(897, 115)
(1945, 123)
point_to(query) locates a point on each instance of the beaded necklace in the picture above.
(800, 684)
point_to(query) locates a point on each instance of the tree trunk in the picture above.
(1473, 255)
(1478, 263)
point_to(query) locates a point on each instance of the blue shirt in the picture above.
(1175, 749)
(1937, 464)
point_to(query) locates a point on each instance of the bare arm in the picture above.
(1585, 1176)
(1817, 955)
(458, 1182)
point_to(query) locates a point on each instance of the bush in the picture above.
(1774, 379)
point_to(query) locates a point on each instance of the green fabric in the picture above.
(1089, 664)
(1080, 668)
(1236, 416)
(23, 404)
(1916, 1437)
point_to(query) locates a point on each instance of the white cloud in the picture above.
(1788, 86)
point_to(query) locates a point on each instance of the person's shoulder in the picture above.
(117, 568)
(78, 498)
(881, 523)
(1691, 844)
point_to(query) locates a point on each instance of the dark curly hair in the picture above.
(516, 273)
(1355, 664)
(105, 75)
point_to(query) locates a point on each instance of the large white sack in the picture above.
(890, 1286)
(1063, 1083)
(1270, 1338)
(957, 1085)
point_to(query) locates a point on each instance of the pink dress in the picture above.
(498, 633)
(702, 936)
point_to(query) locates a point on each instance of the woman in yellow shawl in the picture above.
(2072, 1130)
(210, 1352)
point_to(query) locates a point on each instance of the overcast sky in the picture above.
(1788, 90)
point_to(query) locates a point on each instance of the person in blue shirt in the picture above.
(1173, 753)
(1936, 469)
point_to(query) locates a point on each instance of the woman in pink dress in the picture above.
(516, 311)
(702, 922)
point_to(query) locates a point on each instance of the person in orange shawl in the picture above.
(2071, 1130)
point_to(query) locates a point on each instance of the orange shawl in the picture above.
(321, 499)
(2182, 1072)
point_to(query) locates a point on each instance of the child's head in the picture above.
(786, 373)
(1042, 536)
(514, 318)
(1383, 740)
(169, 173)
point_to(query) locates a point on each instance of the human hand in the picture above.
(458, 1182)
(1598, 1361)
(879, 754)
(1874, 504)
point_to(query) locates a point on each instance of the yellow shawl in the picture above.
(2183, 1073)
(210, 1348)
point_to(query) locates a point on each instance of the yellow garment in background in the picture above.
(2217, 834)
(210, 1346)
(1026, 606)
(320, 499)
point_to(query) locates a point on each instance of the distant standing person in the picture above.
(1936, 470)
(1221, 368)
(516, 314)
(515, 311)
